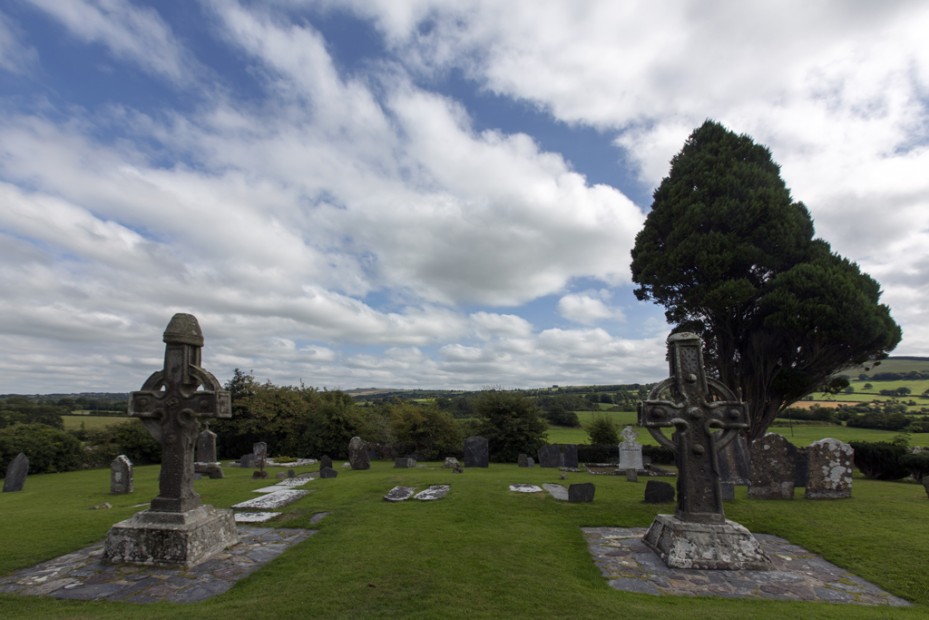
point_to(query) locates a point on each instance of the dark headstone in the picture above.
(325, 461)
(121, 475)
(328, 472)
(569, 456)
(405, 462)
(476, 452)
(358, 454)
(801, 468)
(247, 460)
(522, 460)
(774, 462)
(550, 456)
(735, 461)
(583, 492)
(530, 462)
(16, 473)
(260, 450)
(831, 465)
(657, 492)
(727, 491)
(206, 447)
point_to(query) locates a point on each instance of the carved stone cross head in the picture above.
(705, 416)
(171, 404)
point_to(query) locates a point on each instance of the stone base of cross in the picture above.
(705, 416)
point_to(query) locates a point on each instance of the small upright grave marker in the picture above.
(121, 475)
(830, 469)
(206, 446)
(358, 453)
(16, 473)
(476, 452)
(630, 452)
(774, 466)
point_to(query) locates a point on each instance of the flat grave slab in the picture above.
(271, 500)
(797, 574)
(525, 488)
(284, 484)
(84, 575)
(557, 491)
(399, 494)
(434, 492)
(254, 517)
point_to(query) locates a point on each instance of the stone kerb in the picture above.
(773, 468)
(830, 469)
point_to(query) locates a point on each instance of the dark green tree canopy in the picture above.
(731, 256)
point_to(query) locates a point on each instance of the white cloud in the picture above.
(132, 33)
(16, 56)
(588, 307)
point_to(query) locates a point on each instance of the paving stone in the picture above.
(628, 565)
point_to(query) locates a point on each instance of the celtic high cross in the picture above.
(171, 403)
(705, 416)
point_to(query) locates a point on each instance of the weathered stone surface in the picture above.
(399, 494)
(327, 473)
(632, 475)
(801, 468)
(16, 473)
(774, 464)
(525, 488)
(213, 470)
(434, 492)
(658, 492)
(557, 491)
(522, 460)
(325, 462)
(550, 456)
(715, 546)
(255, 517)
(121, 475)
(830, 475)
(171, 538)
(247, 460)
(569, 456)
(581, 492)
(206, 447)
(727, 491)
(405, 462)
(358, 453)
(476, 452)
(735, 461)
(451, 463)
(630, 452)
(271, 500)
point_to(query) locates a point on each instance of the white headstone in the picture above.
(630, 451)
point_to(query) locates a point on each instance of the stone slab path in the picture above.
(799, 575)
(83, 575)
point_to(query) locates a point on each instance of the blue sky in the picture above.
(418, 193)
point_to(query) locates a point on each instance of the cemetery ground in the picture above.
(483, 551)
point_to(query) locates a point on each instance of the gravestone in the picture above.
(177, 529)
(121, 475)
(735, 461)
(451, 463)
(206, 446)
(328, 472)
(434, 492)
(16, 472)
(550, 456)
(405, 462)
(632, 475)
(774, 464)
(522, 460)
(830, 469)
(705, 416)
(260, 450)
(727, 491)
(358, 453)
(801, 468)
(581, 493)
(630, 451)
(325, 462)
(213, 470)
(569, 456)
(658, 492)
(530, 462)
(476, 452)
(399, 494)
(247, 460)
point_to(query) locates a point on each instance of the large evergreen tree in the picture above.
(732, 257)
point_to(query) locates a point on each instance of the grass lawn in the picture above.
(93, 422)
(482, 552)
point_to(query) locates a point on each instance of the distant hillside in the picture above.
(891, 365)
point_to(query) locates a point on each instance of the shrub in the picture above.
(880, 460)
(511, 423)
(917, 463)
(49, 449)
(602, 431)
(131, 439)
(424, 431)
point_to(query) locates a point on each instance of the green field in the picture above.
(483, 552)
(92, 423)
